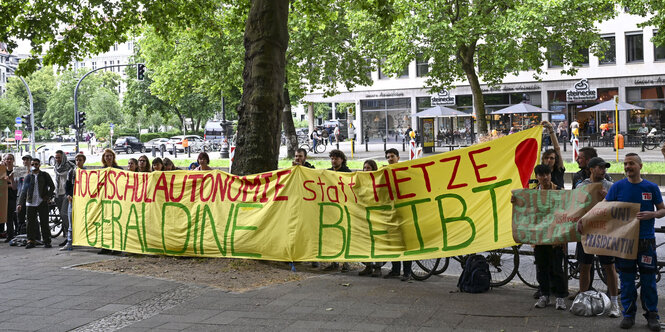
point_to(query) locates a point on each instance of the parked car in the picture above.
(128, 144)
(196, 143)
(70, 151)
(161, 144)
(46, 154)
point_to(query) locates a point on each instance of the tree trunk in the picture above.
(466, 56)
(266, 40)
(289, 128)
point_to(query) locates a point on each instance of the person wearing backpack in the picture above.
(549, 258)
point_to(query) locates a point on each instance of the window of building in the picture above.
(658, 51)
(634, 47)
(115, 46)
(111, 63)
(584, 52)
(610, 56)
(423, 103)
(130, 45)
(94, 65)
(384, 76)
(422, 66)
(554, 56)
(653, 100)
(465, 100)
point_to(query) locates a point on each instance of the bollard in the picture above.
(384, 144)
(175, 152)
(564, 144)
(337, 142)
(366, 144)
(189, 152)
(403, 144)
(154, 153)
(353, 147)
(161, 151)
(643, 143)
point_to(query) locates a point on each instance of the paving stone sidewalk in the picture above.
(40, 291)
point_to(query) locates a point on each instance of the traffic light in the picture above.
(26, 121)
(140, 71)
(80, 120)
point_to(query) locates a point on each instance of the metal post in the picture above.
(154, 153)
(353, 147)
(175, 152)
(161, 151)
(366, 141)
(643, 142)
(225, 147)
(384, 144)
(403, 144)
(189, 152)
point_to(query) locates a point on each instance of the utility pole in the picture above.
(32, 111)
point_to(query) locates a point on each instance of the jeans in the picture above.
(62, 202)
(32, 213)
(646, 263)
(397, 267)
(549, 270)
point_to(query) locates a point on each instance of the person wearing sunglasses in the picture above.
(40, 188)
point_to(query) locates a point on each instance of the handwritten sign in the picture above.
(442, 205)
(611, 229)
(550, 216)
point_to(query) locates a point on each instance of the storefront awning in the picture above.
(609, 106)
(440, 112)
(521, 108)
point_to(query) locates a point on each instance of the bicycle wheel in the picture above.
(503, 265)
(600, 270)
(527, 268)
(420, 273)
(54, 222)
(320, 148)
(305, 146)
(443, 265)
(651, 144)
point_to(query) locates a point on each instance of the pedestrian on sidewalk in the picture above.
(69, 188)
(12, 188)
(634, 189)
(62, 168)
(40, 189)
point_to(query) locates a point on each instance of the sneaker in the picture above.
(614, 311)
(62, 244)
(367, 271)
(627, 322)
(652, 321)
(542, 302)
(345, 267)
(30, 245)
(391, 275)
(332, 267)
(66, 248)
(406, 277)
(560, 303)
(48, 245)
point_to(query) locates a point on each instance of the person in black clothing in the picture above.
(301, 159)
(585, 154)
(338, 163)
(69, 192)
(12, 187)
(552, 157)
(39, 189)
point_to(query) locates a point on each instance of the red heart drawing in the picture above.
(526, 155)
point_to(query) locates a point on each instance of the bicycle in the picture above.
(652, 142)
(54, 220)
(320, 148)
(503, 264)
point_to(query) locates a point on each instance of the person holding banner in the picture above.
(300, 159)
(204, 161)
(338, 163)
(634, 189)
(69, 188)
(108, 159)
(39, 189)
(585, 154)
(157, 165)
(392, 155)
(549, 258)
(552, 157)
(597, 167)
(144, 164)
(169, 166)
(133, 165)
(373, 269)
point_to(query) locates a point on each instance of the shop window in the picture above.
(658, 51)
(610, 56)
(634, 47)
(423, 103)
(607, 94)
(422, 66)
(466, 100)
(558, 96)
(497, 99)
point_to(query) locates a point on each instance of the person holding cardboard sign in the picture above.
(634, 189)
(597, 167)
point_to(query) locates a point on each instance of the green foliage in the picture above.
(654, 13)
(10, 108)
(42, 86)
(41, 135)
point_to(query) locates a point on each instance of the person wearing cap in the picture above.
(597, 167)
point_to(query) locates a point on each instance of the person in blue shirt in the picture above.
(634, 189)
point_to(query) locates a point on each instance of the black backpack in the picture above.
(476, 275)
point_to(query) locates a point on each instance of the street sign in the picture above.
(18, 120)
(18, 135)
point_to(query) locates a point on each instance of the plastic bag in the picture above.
(590, 303)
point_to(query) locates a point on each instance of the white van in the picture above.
(213, 130)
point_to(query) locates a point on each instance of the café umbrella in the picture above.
(521, 108)
(440, 112)
(609, 106)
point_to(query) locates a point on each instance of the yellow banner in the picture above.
(448, 204)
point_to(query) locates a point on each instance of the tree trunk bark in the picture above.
(466, 56)
(266, 40)
(289, 128)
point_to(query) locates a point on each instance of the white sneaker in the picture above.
(560, 303)
(542, 302)
(614, 311)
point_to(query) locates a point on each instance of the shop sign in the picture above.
(443, 98)
(509, 88)
(649, 81)
(581, 91)
(385, 94)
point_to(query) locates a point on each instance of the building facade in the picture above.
(633, 69)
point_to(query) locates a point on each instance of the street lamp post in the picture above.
(32, 110)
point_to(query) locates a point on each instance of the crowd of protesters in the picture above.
(30, 193)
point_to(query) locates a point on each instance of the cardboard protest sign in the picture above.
(550, 216)
(611, 229)
(448, 204)
(4, 195)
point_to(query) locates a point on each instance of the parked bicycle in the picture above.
(320, 148)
